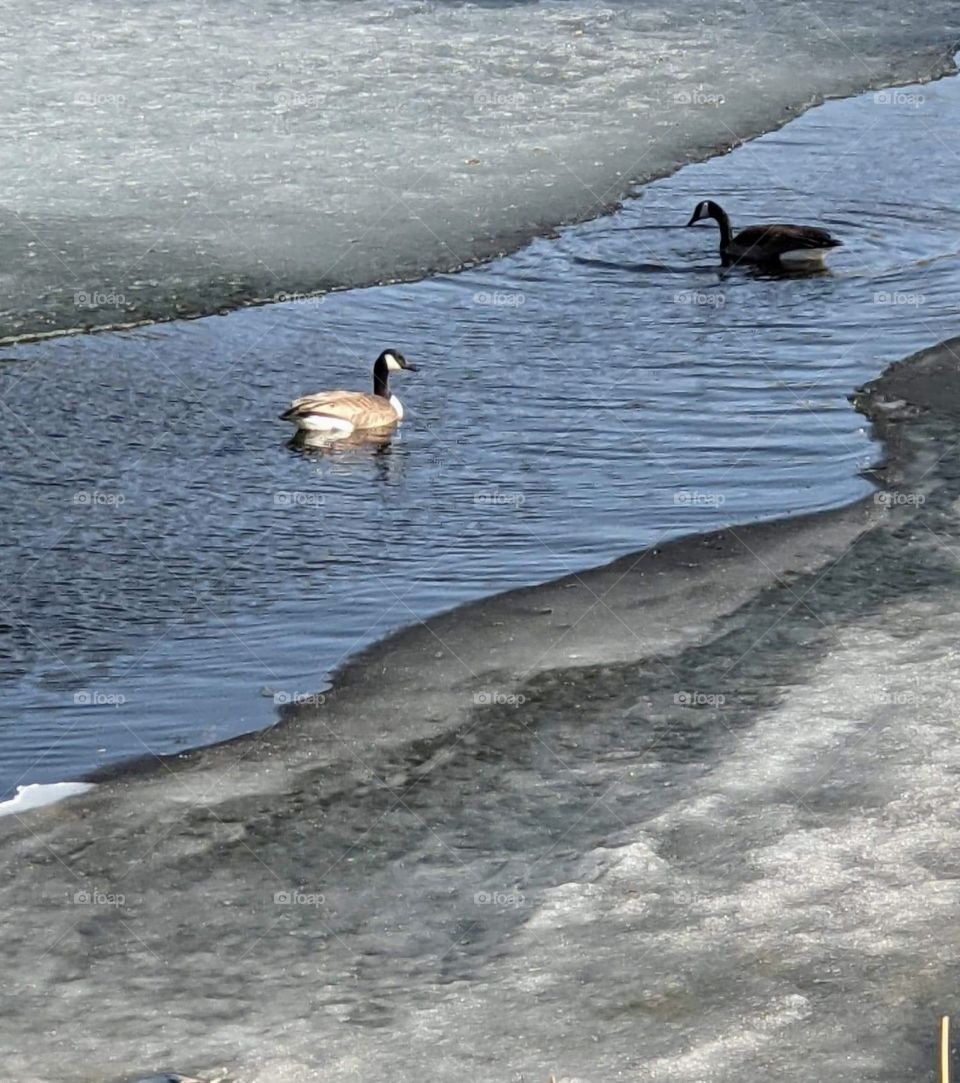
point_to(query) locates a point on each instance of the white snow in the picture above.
(38, 794)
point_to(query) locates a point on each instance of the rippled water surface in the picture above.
(172, 568)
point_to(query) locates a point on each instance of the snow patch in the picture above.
(38, 794)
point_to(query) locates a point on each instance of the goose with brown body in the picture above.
(772, 245)
(338, 414)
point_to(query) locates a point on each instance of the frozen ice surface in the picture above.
(38, 794)
(176, 157)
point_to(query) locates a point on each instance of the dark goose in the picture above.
(771, 245)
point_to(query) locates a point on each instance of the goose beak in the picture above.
(693, 219)
(409, 367)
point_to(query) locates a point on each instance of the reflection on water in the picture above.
(166, 554)
(374, 441)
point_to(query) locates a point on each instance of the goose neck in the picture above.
(723, 221)
(381, 376)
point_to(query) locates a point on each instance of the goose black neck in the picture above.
(381, 374)
(719, 215)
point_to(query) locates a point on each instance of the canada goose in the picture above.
(771, 245)
(341, 413)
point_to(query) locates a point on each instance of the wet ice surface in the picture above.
(720, 862)
(186, 570)
(177, 157)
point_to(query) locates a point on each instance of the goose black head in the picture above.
(394, 361)
(706, 208)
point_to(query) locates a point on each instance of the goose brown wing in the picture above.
(776, 238)
(363, 411)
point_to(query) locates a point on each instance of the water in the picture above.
(177, 157)
(174, 572)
